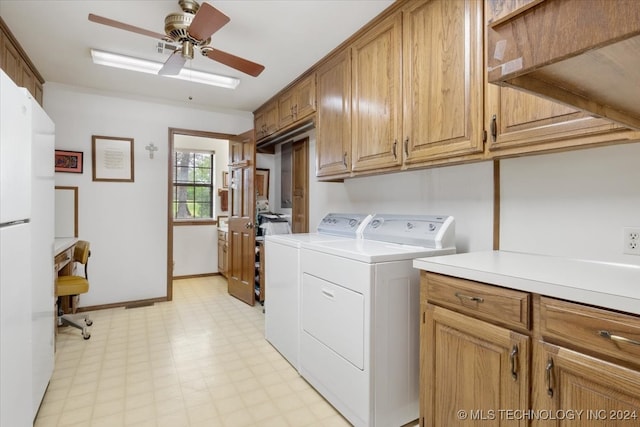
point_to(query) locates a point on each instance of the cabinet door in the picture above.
(305, 97)
(286, 103)
(519, 122)
(377, 97)
(472, 366)
(568, 382)
(443, 78)
(333, 118)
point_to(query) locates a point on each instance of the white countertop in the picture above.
(608, 285)
(63, 243)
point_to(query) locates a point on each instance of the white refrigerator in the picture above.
(26, 254)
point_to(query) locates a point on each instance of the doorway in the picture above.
(196, 141)
(294, 178)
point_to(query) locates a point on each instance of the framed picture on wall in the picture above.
(262, 183)
(69, 161)
(112, 158)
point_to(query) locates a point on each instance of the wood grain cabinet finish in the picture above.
(443, 69)
(376, 97)
(17, 65)
(519, 123)
(571, 359)
(333, 117)
(469, 365)
(594, 68)
(297, 102)
(266, 120)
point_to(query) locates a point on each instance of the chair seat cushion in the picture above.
(71, 285)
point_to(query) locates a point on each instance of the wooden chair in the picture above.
(73, 286)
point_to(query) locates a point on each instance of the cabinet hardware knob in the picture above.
(248, 225)
(618, 338)
(406, 147)
(344, 159)
(513, 356)
(469, 297)
(548, 377)
(395, 149)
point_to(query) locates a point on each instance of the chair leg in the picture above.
(65, 319)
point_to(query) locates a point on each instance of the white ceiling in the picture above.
(286, 36)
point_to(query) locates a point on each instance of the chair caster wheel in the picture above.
(86, 337)
(88, 322)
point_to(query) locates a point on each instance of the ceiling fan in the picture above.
(190, 29)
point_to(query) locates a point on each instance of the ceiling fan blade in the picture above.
(236, 62)
(121, 25)
(207, 21)
(173, 64)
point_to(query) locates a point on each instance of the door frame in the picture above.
(172, 133)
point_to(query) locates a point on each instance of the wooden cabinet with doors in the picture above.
(443, 79)
(416, 92)
(491, 351)
(223, 252)
(266, 120)
(298, 102)
(300, 187)
(17, 65)
(376, 97)
(587, 359)
(474, 351)
(333, 117)
(521, 123)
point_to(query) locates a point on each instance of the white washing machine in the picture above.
(360, 316)
(282, 278)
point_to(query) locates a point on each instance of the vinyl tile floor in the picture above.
(199, 360)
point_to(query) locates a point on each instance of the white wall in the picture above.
(572, 204)
(126, 223)
(465, 192)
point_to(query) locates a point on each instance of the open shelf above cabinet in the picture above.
(586, 56)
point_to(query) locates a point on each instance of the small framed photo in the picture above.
(112, 158)
(68, 161)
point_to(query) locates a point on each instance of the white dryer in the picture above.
(282, 278)
(360, 316)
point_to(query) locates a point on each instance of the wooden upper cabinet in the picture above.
(16, 64)
(376, 97)
(333, 117)
(581, 54)
(266, 120)
(443, 80)
(298, 102)
(519, 123)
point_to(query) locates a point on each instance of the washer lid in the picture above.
(430, 231)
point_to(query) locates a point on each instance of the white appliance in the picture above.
(282, 278)
(360, 310)
(26, 254)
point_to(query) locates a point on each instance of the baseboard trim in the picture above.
(124, 304)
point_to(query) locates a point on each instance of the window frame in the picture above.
(211, 186)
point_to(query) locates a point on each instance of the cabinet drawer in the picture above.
(596, 330)
(492, 303)
(63, 258)
(222, 235)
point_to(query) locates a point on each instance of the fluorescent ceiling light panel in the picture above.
(151, 67)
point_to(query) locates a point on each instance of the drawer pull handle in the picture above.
(327, 293)
(548, 377)
(513, 356)
(468, 297)
(618, 338)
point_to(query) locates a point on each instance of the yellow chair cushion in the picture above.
(71, 285)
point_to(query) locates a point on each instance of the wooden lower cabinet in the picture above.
(471, 370)
(223, 254)
(575, 389)
(571, 366)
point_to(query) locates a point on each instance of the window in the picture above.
(193, 185)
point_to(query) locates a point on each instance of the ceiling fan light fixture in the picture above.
(116, 60)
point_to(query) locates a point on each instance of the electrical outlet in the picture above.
(632, 240)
